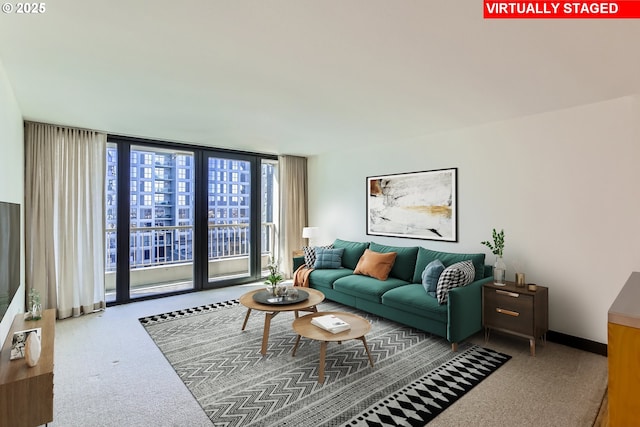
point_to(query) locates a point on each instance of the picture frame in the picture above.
(19, 340)
(416, 205)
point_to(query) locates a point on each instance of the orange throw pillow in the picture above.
(375, 264)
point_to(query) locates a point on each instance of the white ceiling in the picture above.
(304, 76)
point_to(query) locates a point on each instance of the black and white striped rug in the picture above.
(416, 375)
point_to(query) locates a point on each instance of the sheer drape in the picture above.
(64, 217)
(293, 208)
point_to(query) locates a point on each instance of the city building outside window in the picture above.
(167, 180)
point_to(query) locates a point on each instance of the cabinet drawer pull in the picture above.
(509, 312)
(507, 293)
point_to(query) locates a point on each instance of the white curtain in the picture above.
(293, 208)
(64, 217)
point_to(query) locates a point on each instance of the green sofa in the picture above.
(402, 297)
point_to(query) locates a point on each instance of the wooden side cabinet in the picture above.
(517, 311)
(623, 331)
(26, 394)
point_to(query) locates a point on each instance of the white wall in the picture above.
(11, 178)
(563, 185)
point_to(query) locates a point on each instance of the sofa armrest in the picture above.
(297, 262)
(465, 310)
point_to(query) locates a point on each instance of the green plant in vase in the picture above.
(497, 248)
(35, 306)
(274, 277)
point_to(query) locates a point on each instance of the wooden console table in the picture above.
(26, 394)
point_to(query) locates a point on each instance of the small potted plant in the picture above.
(274, 278)
(497, 248)
(35, 306)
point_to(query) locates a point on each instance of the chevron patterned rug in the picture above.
(416, 375)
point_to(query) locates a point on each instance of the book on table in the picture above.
(331, 323)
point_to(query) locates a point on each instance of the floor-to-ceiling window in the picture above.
(111, 222)
(182, 218)
(229, 218)
(269, 196)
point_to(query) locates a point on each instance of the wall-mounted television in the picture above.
(9, 254)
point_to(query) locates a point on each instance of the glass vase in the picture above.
(36, 311)
(499, 272)
(271, 289)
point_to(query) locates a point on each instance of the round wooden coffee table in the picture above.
(272, 310)
(359, 327)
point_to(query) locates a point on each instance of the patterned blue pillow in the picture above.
(458, 274)
(328, 258)
(430, 276)
(310, 254)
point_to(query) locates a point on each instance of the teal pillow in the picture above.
(328, 258)
(430, 276)
(352, 252)
(310, 255)
(405, 262)
(425, 256)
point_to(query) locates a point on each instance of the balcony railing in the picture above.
(165, 245)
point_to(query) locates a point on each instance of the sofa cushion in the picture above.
(405, 261)
(425, 256)
(352, 252)
(430, 276)
(366, 287)
(413, 299)
(310, 254)
(328, 258)
(375, 264)
(325, 278)
(458, 274)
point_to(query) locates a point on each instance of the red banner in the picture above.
(625, 9)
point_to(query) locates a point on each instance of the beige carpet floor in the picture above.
(560, 386)
(108, 372)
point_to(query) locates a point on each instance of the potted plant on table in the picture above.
(35, 306)
(497, 248)
(274, 278)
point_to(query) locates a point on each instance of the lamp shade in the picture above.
(309, 232)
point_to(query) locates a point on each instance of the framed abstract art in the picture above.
(418, 205)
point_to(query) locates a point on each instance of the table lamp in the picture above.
(310, 233)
